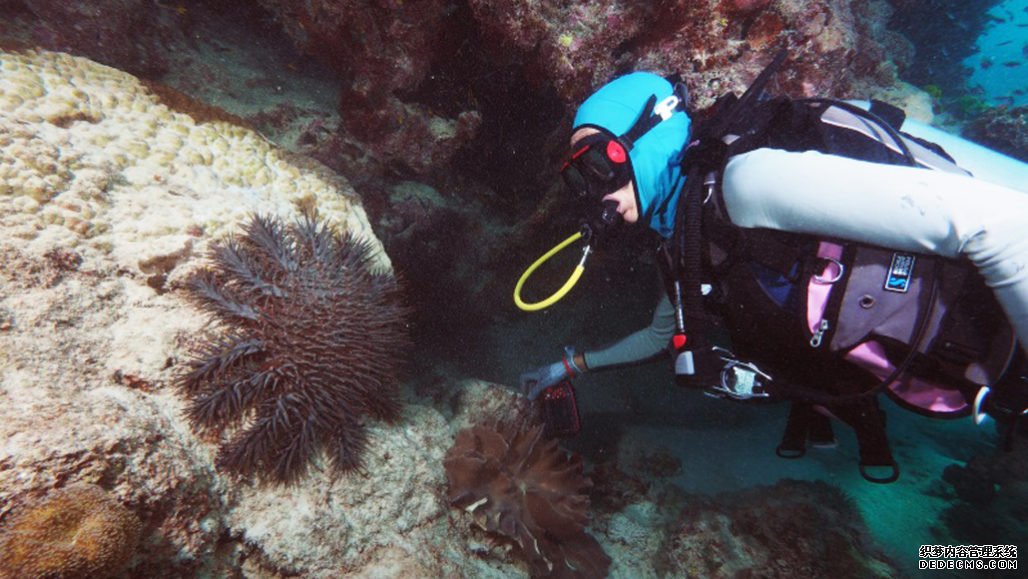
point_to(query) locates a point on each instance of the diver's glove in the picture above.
(534, 382)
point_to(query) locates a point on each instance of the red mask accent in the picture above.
(616, 153)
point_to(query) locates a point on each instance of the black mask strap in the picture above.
(646, 121)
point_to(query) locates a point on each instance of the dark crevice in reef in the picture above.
(511, 154)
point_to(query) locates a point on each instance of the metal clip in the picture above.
(819, 335)
(709, 185)
(740, 380)
(828, 281)
(585, 255)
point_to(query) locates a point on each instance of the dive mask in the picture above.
(599, 166)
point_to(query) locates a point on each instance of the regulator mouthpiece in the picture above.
(598, 228)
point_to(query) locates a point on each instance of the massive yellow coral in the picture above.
(79, 531)
(89, 156)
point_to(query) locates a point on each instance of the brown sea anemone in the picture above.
(521, 487)
(308, 345)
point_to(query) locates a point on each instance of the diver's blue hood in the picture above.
(656, 156)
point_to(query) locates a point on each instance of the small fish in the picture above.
(1012, 63)
(1005, 42)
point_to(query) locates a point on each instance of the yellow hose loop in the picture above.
(570, 283)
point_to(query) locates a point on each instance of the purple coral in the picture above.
(520, 486)
(309, 345)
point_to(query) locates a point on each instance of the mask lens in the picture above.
(597, 164)
(574, 180)
(589, 170)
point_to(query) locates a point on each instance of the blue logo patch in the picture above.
(901, 271)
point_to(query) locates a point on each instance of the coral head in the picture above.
(77, 531)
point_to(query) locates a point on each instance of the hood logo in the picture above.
(667, 107)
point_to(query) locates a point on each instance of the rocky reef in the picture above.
(1004, 129)
(412, 73)
(110, 201)
(98, 30)
(448, 117)
(384, 51)
(789, 529)
(989, 494)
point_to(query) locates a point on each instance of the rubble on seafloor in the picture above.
(991, 494)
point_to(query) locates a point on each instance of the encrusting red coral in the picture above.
(385, 50)
(78, 531)
(746, 6)
(521, 486)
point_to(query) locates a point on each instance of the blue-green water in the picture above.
(1000, 67)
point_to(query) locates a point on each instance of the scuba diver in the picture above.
(813, 251)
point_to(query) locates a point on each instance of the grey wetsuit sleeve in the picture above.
(638, 346)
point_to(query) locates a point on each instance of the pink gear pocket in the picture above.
(860, 300)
